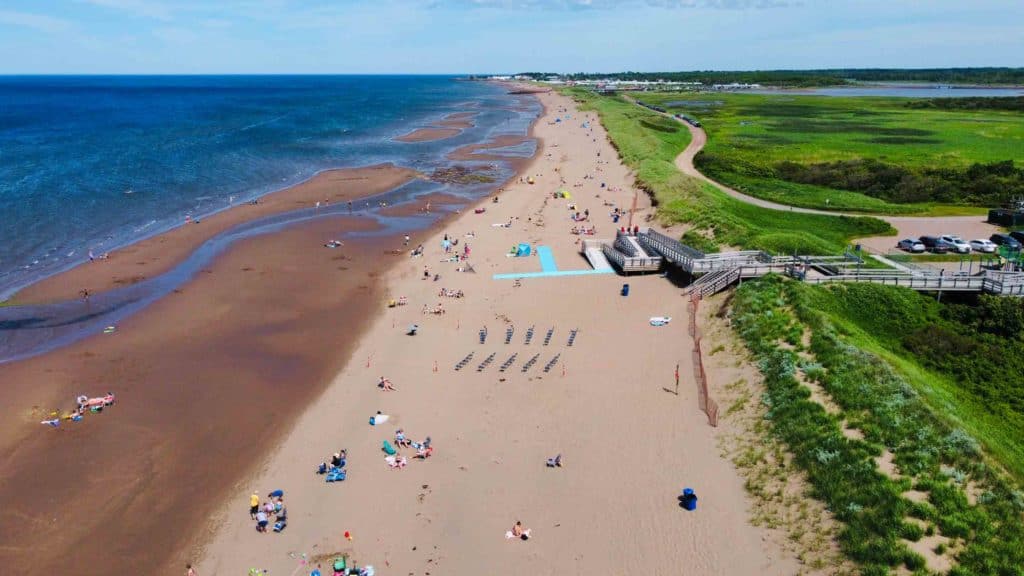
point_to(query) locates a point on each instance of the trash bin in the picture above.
(689, 499)
(625, 289)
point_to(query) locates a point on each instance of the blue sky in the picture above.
(482, 36)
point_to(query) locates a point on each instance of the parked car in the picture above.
(1018, 235)
(1005, 240)
(911, 245)
(956, 243)
(982, 245)
(934, 245)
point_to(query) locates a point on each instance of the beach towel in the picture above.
(280, 525)
(335, 475)
(388, 448)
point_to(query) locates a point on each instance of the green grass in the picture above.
(749, 135)
(937, 432)
(717, 219)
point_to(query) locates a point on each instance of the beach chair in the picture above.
(555, 462)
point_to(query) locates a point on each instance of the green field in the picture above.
(871, 154)
(648, 143)
(938, 387)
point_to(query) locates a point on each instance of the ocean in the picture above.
(94, 162)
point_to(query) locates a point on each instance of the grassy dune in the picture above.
(649, 143)
(942, 487)
(751, 135)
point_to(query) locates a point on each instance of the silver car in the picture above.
(983, 245)
(911, 245)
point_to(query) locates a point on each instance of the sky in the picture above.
(501, 36)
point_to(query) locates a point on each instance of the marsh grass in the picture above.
(715, 219)
(750, 134)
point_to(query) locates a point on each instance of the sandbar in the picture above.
(157, 254)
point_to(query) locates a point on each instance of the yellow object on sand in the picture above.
(529, 180)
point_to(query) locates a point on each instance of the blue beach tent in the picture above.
(523, 250)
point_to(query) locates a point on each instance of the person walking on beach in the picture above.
(190, 571)
(406, 243)
(85, 294)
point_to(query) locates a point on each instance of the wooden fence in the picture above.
(706, 402)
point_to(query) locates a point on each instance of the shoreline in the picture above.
(201, 366)
(158, 253)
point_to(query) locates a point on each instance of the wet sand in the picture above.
(158, 254)
(436, 202)
(450, 125)
(429, 134)
(478, 152)
(225, 364)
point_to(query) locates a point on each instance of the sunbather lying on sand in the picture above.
(395, 461)
(518, 531)
(385, 384)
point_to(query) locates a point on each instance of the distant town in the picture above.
(617, 85)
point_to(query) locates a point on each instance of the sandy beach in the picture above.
(630, 442)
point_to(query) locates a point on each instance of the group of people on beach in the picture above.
(274, 506)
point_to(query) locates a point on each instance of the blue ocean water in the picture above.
(96, 162)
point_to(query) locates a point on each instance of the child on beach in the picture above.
(261, 521)
(254, 505)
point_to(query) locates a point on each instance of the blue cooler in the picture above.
(689, 499)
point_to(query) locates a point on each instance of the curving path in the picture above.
(906, 226)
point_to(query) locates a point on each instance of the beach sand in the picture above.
(206, 379)
(629, 442)
(157, 254)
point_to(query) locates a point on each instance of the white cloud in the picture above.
(39, 22)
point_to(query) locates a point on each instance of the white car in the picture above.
(983, 245)
(956, 243)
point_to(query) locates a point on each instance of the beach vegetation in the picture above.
(944, 435)
(715, 219)
(867, 154)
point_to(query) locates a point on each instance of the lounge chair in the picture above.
(555, 462)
